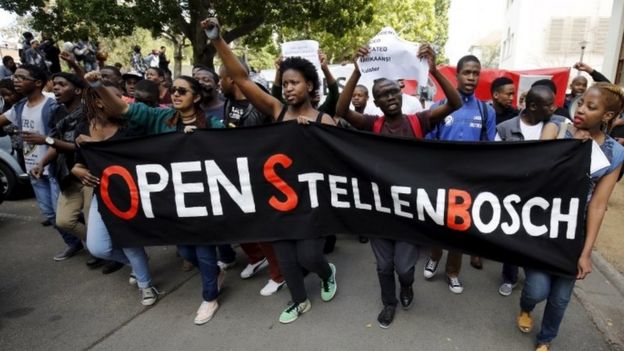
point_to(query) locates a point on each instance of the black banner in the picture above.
(522, 203)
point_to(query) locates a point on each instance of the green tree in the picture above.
(416, 20)
(179, 21)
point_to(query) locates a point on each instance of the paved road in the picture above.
(47, 305)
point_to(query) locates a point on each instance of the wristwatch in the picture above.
(49, 141)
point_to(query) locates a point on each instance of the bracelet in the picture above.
(96, 84)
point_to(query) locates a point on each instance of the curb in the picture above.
(616, 278)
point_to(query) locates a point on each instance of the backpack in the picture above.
(412, 119)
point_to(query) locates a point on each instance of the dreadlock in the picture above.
(91, 112)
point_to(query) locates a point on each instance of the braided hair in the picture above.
(613, 97)
(91, 112)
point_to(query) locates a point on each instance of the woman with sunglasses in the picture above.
(186, 115)
(598, 107)
(300, 83)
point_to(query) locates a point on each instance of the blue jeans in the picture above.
(540, 286)
(47, 192)
(100, 245)
(204, 257)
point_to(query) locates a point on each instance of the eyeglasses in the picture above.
(18, 77)
(179, 90)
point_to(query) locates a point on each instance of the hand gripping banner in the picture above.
(520, 203)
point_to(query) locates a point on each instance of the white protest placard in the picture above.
(307, 49)
(393, 58)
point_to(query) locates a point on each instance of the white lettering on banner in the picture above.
(393, 58)
(356, 197)
(531, 228)
(508, 203)
(481, 199)
(334, 190)
(396, 191)
(377, 199)
(146, 188)
(345, 192)
(312, 179)
(243, 197)
(556, 216)
(423, 204)
(181, 188)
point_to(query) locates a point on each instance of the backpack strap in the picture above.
(563, 128)
(379, 121)
(319, 117)
(483, 111)
(414, 122)
(280, 118)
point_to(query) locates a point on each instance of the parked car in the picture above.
(13, 177)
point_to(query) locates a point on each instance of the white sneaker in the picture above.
(431, 267)
(206, 311)
(271, 287)
(455, 285)
(224, 266)
(506, 288)
(252, 269)
(149, 296)
(132, 280)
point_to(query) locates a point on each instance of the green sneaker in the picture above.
(328, 288)
(293, 311)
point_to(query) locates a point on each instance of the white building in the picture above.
(541, 34)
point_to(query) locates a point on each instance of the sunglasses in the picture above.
(179, 90)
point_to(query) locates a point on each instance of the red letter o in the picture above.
(134, 192)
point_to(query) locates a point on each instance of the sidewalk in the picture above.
(47, 305)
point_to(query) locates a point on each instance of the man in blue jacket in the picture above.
(475, 121)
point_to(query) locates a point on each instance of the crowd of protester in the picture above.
(55, 112)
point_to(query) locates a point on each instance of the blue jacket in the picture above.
(465, 124)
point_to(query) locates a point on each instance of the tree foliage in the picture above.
(179, 20)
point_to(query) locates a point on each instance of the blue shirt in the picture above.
(465, 124)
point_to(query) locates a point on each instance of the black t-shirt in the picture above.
(83, 128)
(241, 113)
(507, 114)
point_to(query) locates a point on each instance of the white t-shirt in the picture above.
(531, 132)
(32, 121)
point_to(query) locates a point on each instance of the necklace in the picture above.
(189, 121)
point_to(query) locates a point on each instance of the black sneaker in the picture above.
(68, 252)
(363, 239)
(386, 316)
(111, 267)
(94, 262)
(406, 296)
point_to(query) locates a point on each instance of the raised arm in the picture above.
(264, 102)
(276, 89)
(116, 106)
(342, 107)
(71, 63)
(453, 100)
(329, 105)
(596, 76)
